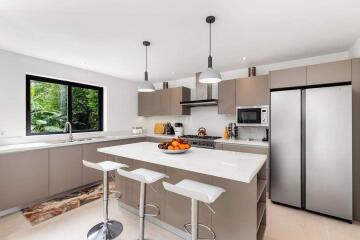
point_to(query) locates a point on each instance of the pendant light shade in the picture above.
(146, 86)
(210, 75)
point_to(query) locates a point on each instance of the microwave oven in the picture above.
(252, 115)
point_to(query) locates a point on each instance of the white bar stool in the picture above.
(197, 191)
(144, 176)
(108, 229)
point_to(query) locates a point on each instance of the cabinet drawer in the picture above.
(244, 148)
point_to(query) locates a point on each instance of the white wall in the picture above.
(355, 49)
(207, 116)
(120, 96)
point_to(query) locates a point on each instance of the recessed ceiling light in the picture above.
(244, 58)
(172, 73)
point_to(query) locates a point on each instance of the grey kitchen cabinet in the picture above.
(227, 220)
(244, 148)
(91, 154)
(285, 78)
(145, 103)
(328, 73)
(219, 146)
(164, 102)
(24, 178)
(157, 103)
(158, 139)
(177, 95)
(252, 91)
(227, 97)
(65, 169)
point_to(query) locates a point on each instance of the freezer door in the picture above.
(285, 161)
(329, 151)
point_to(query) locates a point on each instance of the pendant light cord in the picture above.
(146, 61)
(210, 40)
(146, 64)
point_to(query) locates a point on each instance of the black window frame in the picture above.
(69, 84)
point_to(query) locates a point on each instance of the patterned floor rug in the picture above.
(43, 211)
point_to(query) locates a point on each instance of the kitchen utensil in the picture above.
(159, 128)
(137, 130)
(169, 130)
(179, 130)
(201, 132)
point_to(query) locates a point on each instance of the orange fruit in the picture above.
(187, 146)
(182, 146)
(176, 148)
(175, 143)
(170, 148)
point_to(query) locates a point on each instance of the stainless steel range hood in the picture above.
(203, 95)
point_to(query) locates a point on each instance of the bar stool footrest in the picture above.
(153, 206)
(187, 228)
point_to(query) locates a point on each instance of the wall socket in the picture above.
(2, 133)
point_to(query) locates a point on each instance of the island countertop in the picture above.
(242, 167)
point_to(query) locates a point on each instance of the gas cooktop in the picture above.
(203, 141)
(201, 137)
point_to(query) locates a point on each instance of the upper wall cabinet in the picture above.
(163, 102)
(292, 77)
(227, 97)
(327, 73)
(252, 91)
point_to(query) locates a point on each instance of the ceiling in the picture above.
(106, 36)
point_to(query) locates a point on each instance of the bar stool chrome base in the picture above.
(105, 231)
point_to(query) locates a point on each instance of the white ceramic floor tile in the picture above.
(283, 224)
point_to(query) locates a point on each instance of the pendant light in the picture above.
(146, 86)
(210, 75)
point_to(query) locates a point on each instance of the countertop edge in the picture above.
(116, 138)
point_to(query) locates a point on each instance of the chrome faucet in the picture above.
(68, 128)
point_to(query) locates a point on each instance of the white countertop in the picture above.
(237, 166)
(45, 144)
(255, 143)
(21, 147)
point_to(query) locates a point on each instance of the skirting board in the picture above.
(157, 222)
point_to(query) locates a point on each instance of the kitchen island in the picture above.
(240, 212)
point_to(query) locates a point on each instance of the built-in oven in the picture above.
(252, 115)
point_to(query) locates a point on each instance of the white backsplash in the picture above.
(207, 117)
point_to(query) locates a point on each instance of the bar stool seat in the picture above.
(192, 189)
(144, 176)
(105, 166)
(197, 191)
(108, 229)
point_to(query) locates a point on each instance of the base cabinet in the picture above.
(23, 178)
(65, 169)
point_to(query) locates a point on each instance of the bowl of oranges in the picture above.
(176, 145)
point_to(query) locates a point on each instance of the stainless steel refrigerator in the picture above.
(311, 149)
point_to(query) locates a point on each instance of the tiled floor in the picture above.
(283, 224)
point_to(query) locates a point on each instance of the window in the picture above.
(50, 103)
